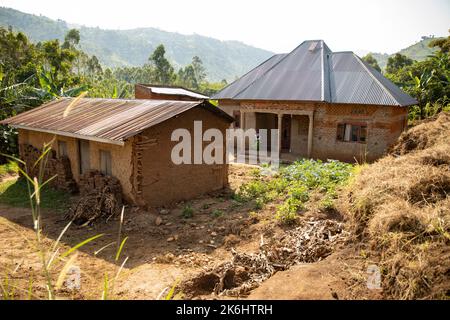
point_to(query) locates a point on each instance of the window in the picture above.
(352, 132)
(237, 118)
(105, 162)
(62, 148)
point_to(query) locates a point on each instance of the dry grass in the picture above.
(400, 207)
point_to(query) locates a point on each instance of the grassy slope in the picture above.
(399, 208)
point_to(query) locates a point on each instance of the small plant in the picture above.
(217, 213)
(206, 206)
(188, 212)
(259, 204)
(287, 213)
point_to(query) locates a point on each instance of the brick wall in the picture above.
(384, 126)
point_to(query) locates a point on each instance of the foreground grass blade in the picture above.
(65, 254)
(120, 248)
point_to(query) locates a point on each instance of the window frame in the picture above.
(351, 124)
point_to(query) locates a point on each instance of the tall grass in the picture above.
(54, 260)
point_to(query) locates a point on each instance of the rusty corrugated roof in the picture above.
(104, 120)
(312, 72)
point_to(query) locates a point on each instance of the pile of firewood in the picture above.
(101, 198)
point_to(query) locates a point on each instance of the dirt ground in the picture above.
(164, 248)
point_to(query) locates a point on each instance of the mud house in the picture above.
(328, 105)
(129, 140)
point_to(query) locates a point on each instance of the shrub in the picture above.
(188, 212)
(217, 213)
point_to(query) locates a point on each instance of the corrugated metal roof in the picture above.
(167, 90)
(105, 120)
(312, 72)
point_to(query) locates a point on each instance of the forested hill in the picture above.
(222, 59)
(418, 51)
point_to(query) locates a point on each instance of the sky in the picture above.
(277, 25)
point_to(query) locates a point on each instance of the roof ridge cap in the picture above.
(376, 80)
(282, 59)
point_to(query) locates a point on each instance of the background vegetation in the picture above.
(428, 80)
(131, 48)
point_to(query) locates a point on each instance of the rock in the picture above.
(170, 239)
(212, 241)
(213, 234)
(169, 257)
(158, 221)
(175, 237)
(164, 211)
(168, 223)
(200, 241)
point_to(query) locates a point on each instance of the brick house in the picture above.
(159, 92)
(128, 140)
(328, 105)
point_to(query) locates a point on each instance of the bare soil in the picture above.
(164, 248)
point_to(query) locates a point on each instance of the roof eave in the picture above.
(70, 134)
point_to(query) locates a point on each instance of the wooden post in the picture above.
(242, 127)
(280, 119)
(310, 133)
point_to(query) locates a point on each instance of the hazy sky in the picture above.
(277, 25)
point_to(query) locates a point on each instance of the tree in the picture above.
(71, 39)
(187, 78)
(442, 43)
(199, 69)
(397, 62)
(164, 73)
(369, 59)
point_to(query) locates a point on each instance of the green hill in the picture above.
(222, 59)
(418, 51)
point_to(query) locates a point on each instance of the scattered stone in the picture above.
(158, 221)
(168, 223)
(213, 234)
(170, 239)
(200, 241)
(164, 211)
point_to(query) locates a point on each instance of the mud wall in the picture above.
(157, 179)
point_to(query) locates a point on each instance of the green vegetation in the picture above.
(15, 193)
(292, 187)
(31, 74)
(372, 61)
(9, 168)
(427, 80)
(131, 48)
(188, 212)
(217, 213)
(418, 51)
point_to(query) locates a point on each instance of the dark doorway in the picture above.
(286, 132)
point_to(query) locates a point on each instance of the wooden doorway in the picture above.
(286, 133)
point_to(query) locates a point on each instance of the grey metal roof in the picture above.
(312, 72)
(104, 120)
(171, 90)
